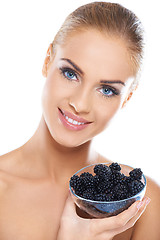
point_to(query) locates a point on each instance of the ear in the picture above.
(127, 99)
(47, 60)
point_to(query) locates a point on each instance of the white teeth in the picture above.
(75, 122)
(72, 121)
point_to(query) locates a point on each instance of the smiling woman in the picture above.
(81, 89)
(91, 70)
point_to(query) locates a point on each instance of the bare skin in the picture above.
(34, 178)
(31, 205)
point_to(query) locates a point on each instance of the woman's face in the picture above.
(87, 81)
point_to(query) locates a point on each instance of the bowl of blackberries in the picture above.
(106, 189)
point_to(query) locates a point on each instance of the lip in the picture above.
(74, 117)
(70, 125)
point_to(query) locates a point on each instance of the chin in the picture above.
(70, 143)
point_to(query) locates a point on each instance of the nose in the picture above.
(81, 101)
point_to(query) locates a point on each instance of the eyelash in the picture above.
(63, 71)
(115, 92)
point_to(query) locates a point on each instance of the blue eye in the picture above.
(68, 73)
(108, 91)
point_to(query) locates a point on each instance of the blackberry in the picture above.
(108, 183)
(110, 197)
(128, 195)
(86, 174)
(127, 179)
(78, 185)
(116, 178)
(73, 181)
(103, 186)
(88, 194)
(136, 174)
(102, 171)
(135, 187)
(111, 185)
(120, 191)
(115, 167)
(96, 180)
(100, 197)
(88, 181)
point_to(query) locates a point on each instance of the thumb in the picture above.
(70, 208)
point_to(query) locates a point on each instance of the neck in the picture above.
(54, 159)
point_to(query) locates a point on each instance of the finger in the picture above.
(118, 221)
(123, 218)
(133, 220)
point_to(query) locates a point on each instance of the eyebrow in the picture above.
(102, 81)
(73, 64)
(113, 82)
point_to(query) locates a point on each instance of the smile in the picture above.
(71, 123)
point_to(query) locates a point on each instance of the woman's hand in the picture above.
(74, 227)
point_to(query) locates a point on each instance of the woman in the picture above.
(91, 71)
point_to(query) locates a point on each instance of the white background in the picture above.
(26, 29)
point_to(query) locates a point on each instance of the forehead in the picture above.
(92, 50)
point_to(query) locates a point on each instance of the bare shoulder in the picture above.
(147, 226)
(13, 163)
(153, 189)
(8, 163)
(4, 183)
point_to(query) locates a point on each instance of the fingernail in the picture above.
(147, 201)
(139, 204)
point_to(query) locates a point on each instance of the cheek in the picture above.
(106, 112)
(52, 91)
(46, 96)
(48, 99)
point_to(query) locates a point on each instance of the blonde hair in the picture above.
(110, 18)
